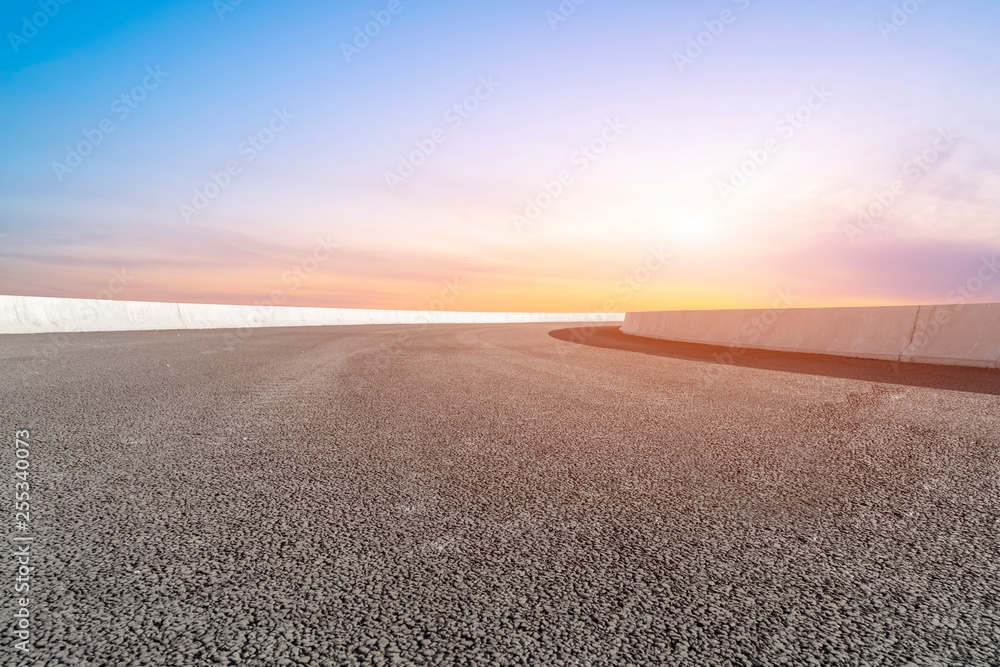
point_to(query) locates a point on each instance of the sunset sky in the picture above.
(513, 155)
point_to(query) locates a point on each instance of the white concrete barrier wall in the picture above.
(28, 314)
(957, 334)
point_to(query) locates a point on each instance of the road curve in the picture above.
(497, 495)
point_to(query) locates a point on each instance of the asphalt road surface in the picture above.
(495, 495)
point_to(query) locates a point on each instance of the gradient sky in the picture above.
(113, 225)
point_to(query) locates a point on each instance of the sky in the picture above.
(502, 155)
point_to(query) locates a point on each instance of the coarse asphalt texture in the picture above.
(543, 494)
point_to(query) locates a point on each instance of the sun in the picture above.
(695, 229)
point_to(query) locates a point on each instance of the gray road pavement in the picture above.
(496, 495)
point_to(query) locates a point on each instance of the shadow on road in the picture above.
(955, 378)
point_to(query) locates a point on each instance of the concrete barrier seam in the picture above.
(913, 332)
